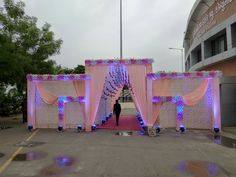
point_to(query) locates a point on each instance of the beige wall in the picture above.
(227, 67)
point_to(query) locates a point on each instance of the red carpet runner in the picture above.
(129, 122)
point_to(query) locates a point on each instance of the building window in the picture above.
(187, 65)
(233, 31)
(196, 55)
(199, 55)
(216, 44)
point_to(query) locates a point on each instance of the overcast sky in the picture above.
(90, 29)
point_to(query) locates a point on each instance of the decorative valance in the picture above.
(145, 61)
(185, 75)
(60, 77)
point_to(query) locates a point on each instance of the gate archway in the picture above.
(115, 74)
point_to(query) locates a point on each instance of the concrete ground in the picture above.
(104, 154)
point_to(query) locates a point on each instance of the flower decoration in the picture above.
(175, 75)
(145, 61)
(61, 77)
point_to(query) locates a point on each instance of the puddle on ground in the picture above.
(140, 133)
(1, 155)
(201, 169)
(29, 144)
(222, 140)
(64, 161)
(29, 156)
(54, 170)
(127, 133)
(5, 127)
(61, 166)
(16, 118)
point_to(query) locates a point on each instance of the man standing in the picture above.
(116, 111)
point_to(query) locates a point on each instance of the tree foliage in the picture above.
(24, 47)
(79, 69)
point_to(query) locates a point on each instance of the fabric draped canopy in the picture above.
(79, 88)
(46, 96)
(161, 88)
(137, 76)
(50, 98)
(196, 95)
(98, 75)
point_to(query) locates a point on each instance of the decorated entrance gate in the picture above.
(162, 99)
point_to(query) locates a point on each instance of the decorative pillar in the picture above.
(87, 106)
(31, 99)
(149, 103)
(216, 114)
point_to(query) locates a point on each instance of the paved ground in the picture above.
(104, 154)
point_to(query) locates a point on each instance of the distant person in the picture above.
(116, 111)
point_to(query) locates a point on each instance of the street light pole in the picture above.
(182, 55)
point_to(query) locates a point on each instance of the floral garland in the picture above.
(145, 61)
(61, 77)
(116, 78)
(177, 100)
(176, 75)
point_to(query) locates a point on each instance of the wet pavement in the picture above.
(62, 165)
(1, 155)
(222, 140)
(105, 154)
(29, 144)
(64, 161)
(123, 133)
(199, 168)
(4, 127)
(29, 156)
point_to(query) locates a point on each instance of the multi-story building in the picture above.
(210, 37)
(210, 44)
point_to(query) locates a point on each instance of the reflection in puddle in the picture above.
(29, 144)
(139, 133)
(1, 155)
(201, 169)
(62, 166)
(29, 156)
(128, 133)
(64, 161)
(222, 140)
(53, 170)
(4, 127)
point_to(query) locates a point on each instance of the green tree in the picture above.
(80, 69)
(24, 47)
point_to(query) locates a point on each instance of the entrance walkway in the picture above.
(127, 122)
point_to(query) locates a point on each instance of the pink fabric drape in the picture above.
(80, 91)
(137, 76)
(46, 96)
(132, 96)
(195, 96)
(149, 68)
(79, 87)
(160, 88)
(98, 74)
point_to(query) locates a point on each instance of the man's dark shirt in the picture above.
(117, 108)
